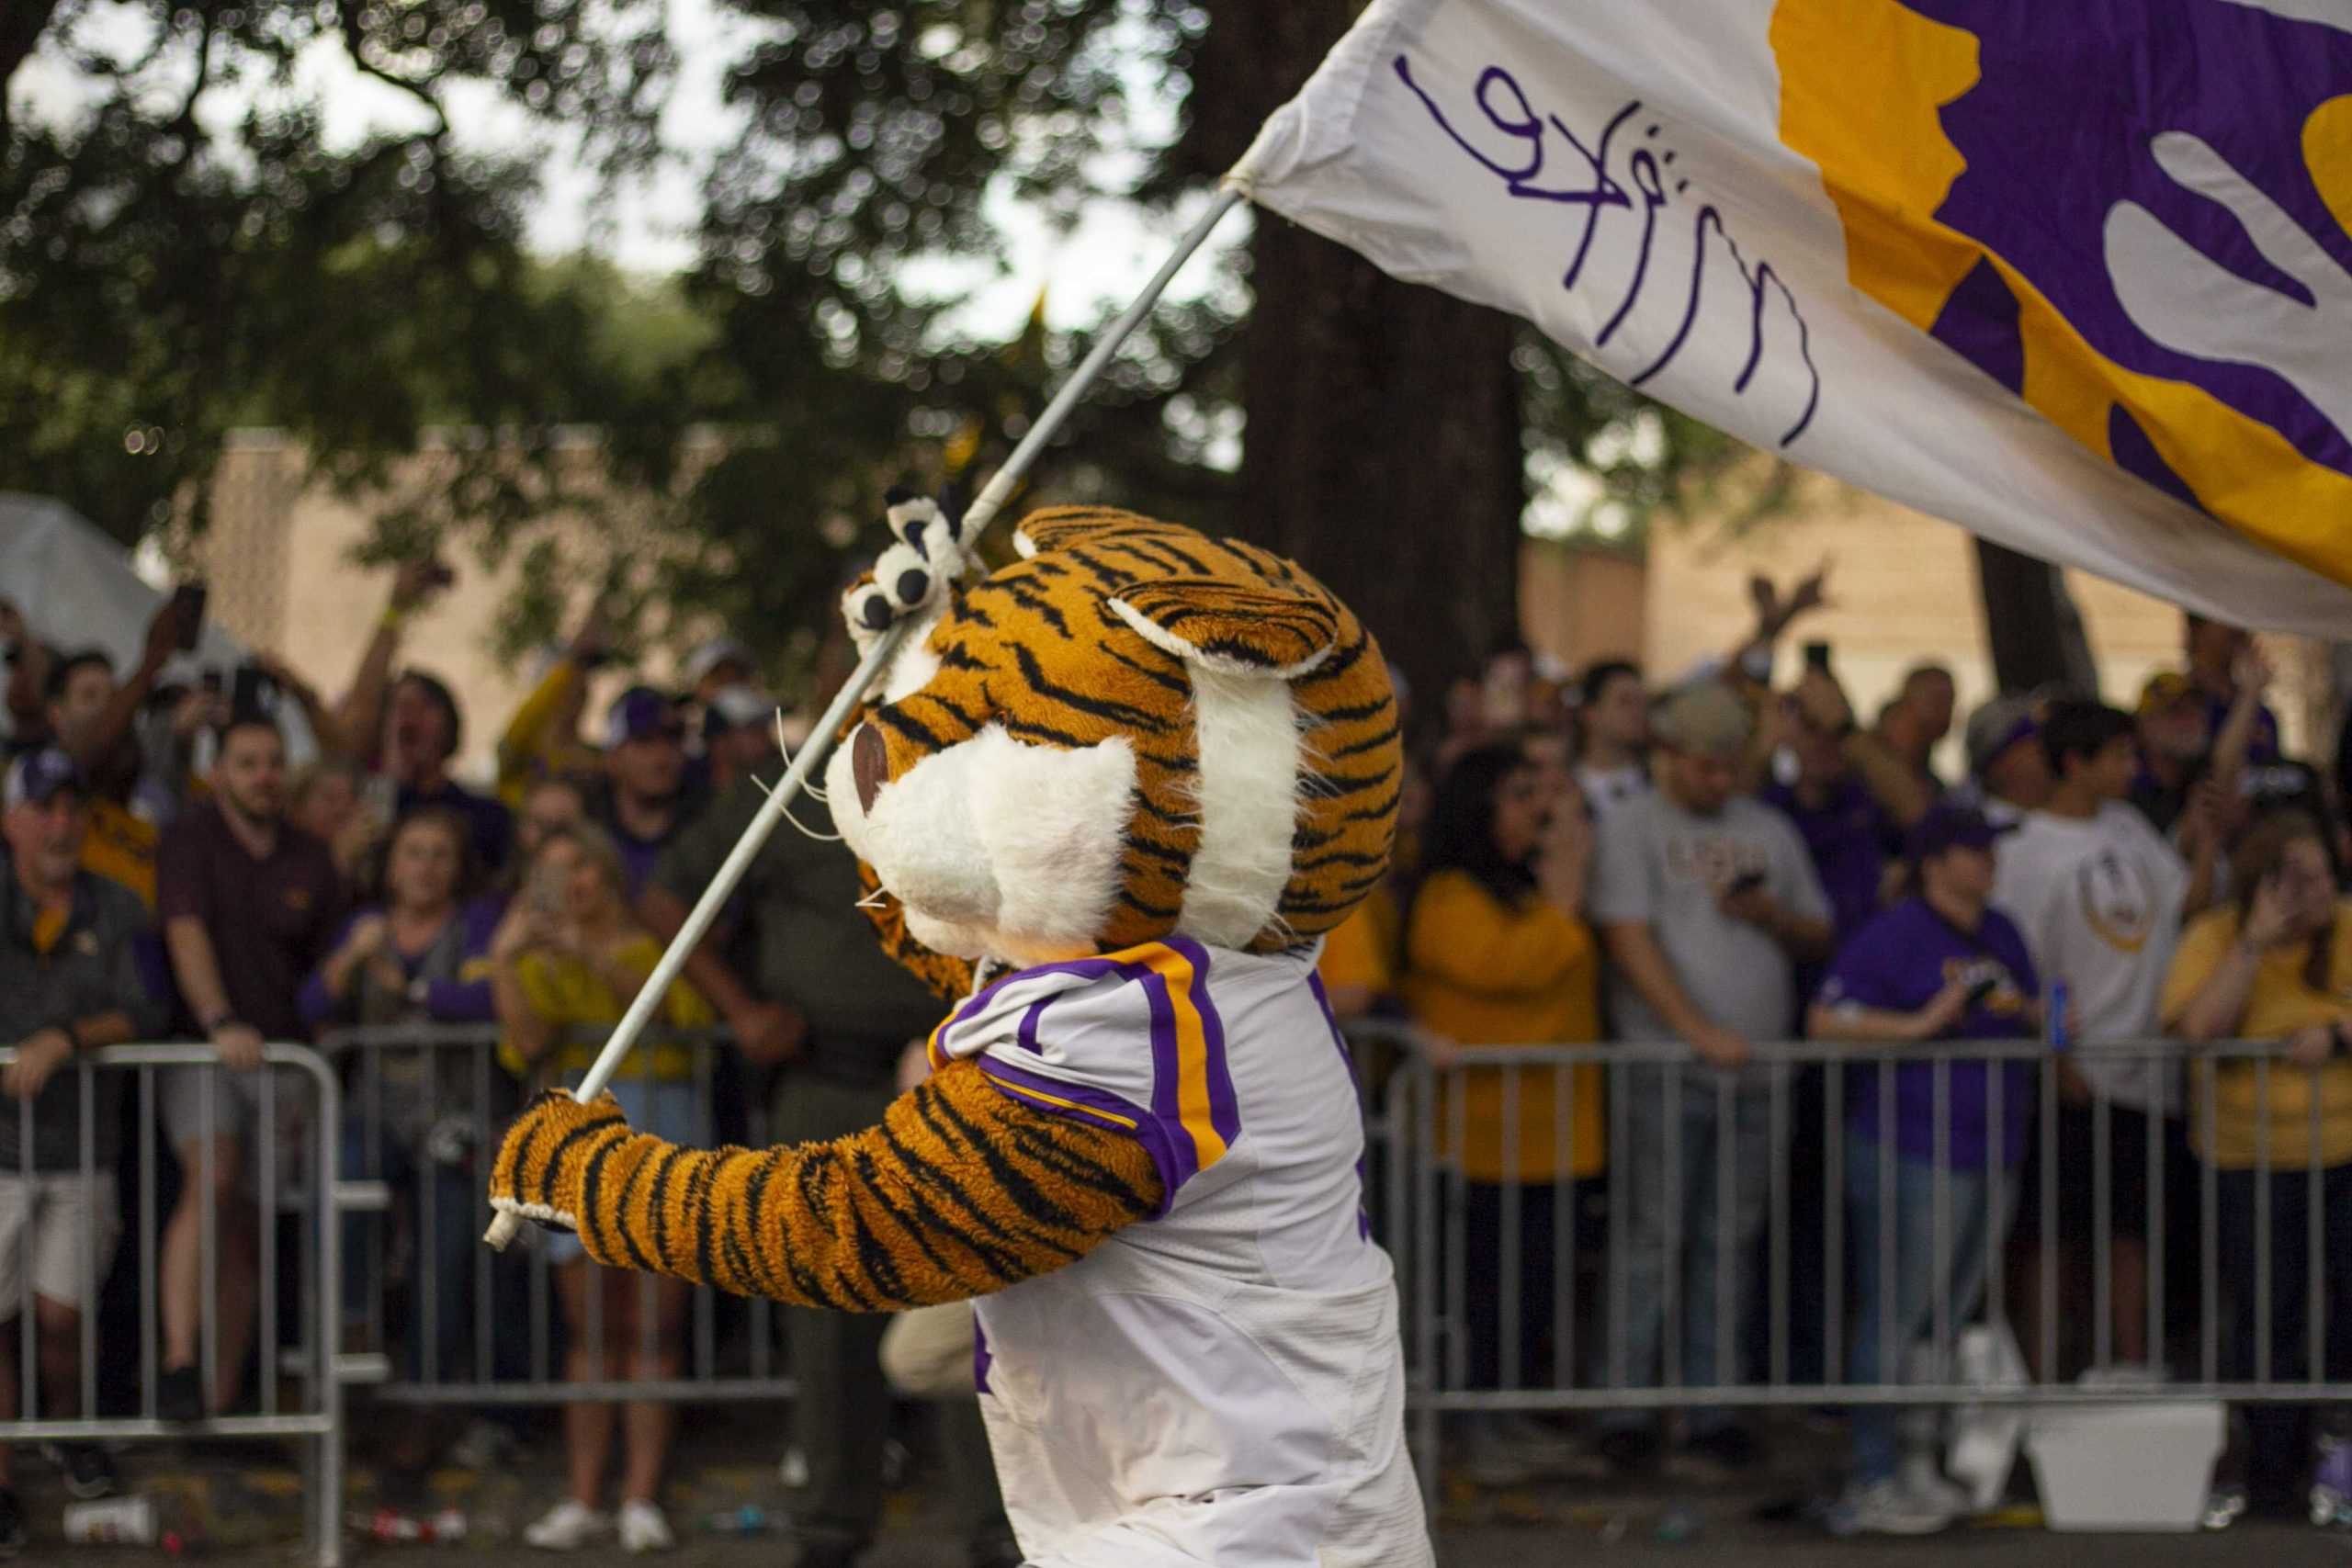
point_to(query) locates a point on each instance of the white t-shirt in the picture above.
(1223, 1383)
(1605, 789)
(2099, 904)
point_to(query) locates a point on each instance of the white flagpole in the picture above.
(984, 508)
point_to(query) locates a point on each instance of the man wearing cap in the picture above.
(644, 800)
(1941, 965)
(1707, 902)
(69, 983)
(2007, 774)
(2100, 897)
(2176, 733)
(720, 663)
(738, 734)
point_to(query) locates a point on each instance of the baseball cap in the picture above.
(36, 776)
(1706, 717)
(736, 707)
(1948, 826)
(718, 650)
(1998, 725)
(641, 713)
(2164, 689)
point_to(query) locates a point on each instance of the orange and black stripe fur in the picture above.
(963, 1189)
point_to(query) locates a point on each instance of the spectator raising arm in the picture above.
(1632, 947)
(1822, 702)
(359, 716)
(542, 739)
(94, 741)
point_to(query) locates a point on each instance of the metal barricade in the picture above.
(428, 1105)
(315, 1383)
(1684, 1300)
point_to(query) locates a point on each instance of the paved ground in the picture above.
(250, 1512)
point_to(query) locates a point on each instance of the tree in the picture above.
(183, 251)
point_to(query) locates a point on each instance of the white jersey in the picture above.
(1223, 1382)
(2100, 902)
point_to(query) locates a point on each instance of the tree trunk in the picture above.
(2036, 633)
(1383, 442)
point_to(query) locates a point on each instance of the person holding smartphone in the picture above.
(1942, 964)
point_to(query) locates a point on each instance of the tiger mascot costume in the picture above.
(1109, 797)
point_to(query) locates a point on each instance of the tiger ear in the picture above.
(1232, 628)
(1058, 527)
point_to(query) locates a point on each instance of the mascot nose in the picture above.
(869, 764)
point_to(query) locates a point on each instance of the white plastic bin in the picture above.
(2126, 1467)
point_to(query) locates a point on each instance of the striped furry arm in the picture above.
(960, 1191)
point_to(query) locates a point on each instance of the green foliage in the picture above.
(169, 271)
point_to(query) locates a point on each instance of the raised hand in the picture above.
(913, 576)
(2189, 302)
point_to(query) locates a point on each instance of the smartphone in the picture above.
(1979, 991)
(188, 613)
(1816, 657)
(255, 691)
(1746, 882)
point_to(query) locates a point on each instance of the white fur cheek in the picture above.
(921, 840)
(841, 798)
(1054, 824)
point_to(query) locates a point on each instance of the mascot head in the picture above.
(1134, 731)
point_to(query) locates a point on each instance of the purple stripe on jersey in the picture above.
(1087, 969)
(980, 1357)
(1026, 1037)
(1166, 1079)
(1225, 1108)
(1164, 1140)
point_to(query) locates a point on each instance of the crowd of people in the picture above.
(1714, 863)
(1705, 866)
(172, 878)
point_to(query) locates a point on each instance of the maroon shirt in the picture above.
(269, 919)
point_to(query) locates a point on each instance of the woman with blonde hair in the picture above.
(569, 956)
(2276, 965)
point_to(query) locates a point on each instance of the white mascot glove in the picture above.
(913, 576)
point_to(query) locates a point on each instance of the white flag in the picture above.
(2076, 277)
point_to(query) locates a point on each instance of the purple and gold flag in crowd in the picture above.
(2076, 276)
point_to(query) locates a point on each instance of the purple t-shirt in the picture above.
(1846, 839)
(1898, 962)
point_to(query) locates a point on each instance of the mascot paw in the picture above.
(536, 1176)
(913, 575)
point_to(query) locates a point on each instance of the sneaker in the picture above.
(2330, 1489)
(87, 1470)
(643, 1529)
(179, 1395)
(1882, 1507)
(1734, 1447)
(1630, 1450)
(2224, 1506)
(1924, 1481)
(568, 1527)
(12, 1523)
